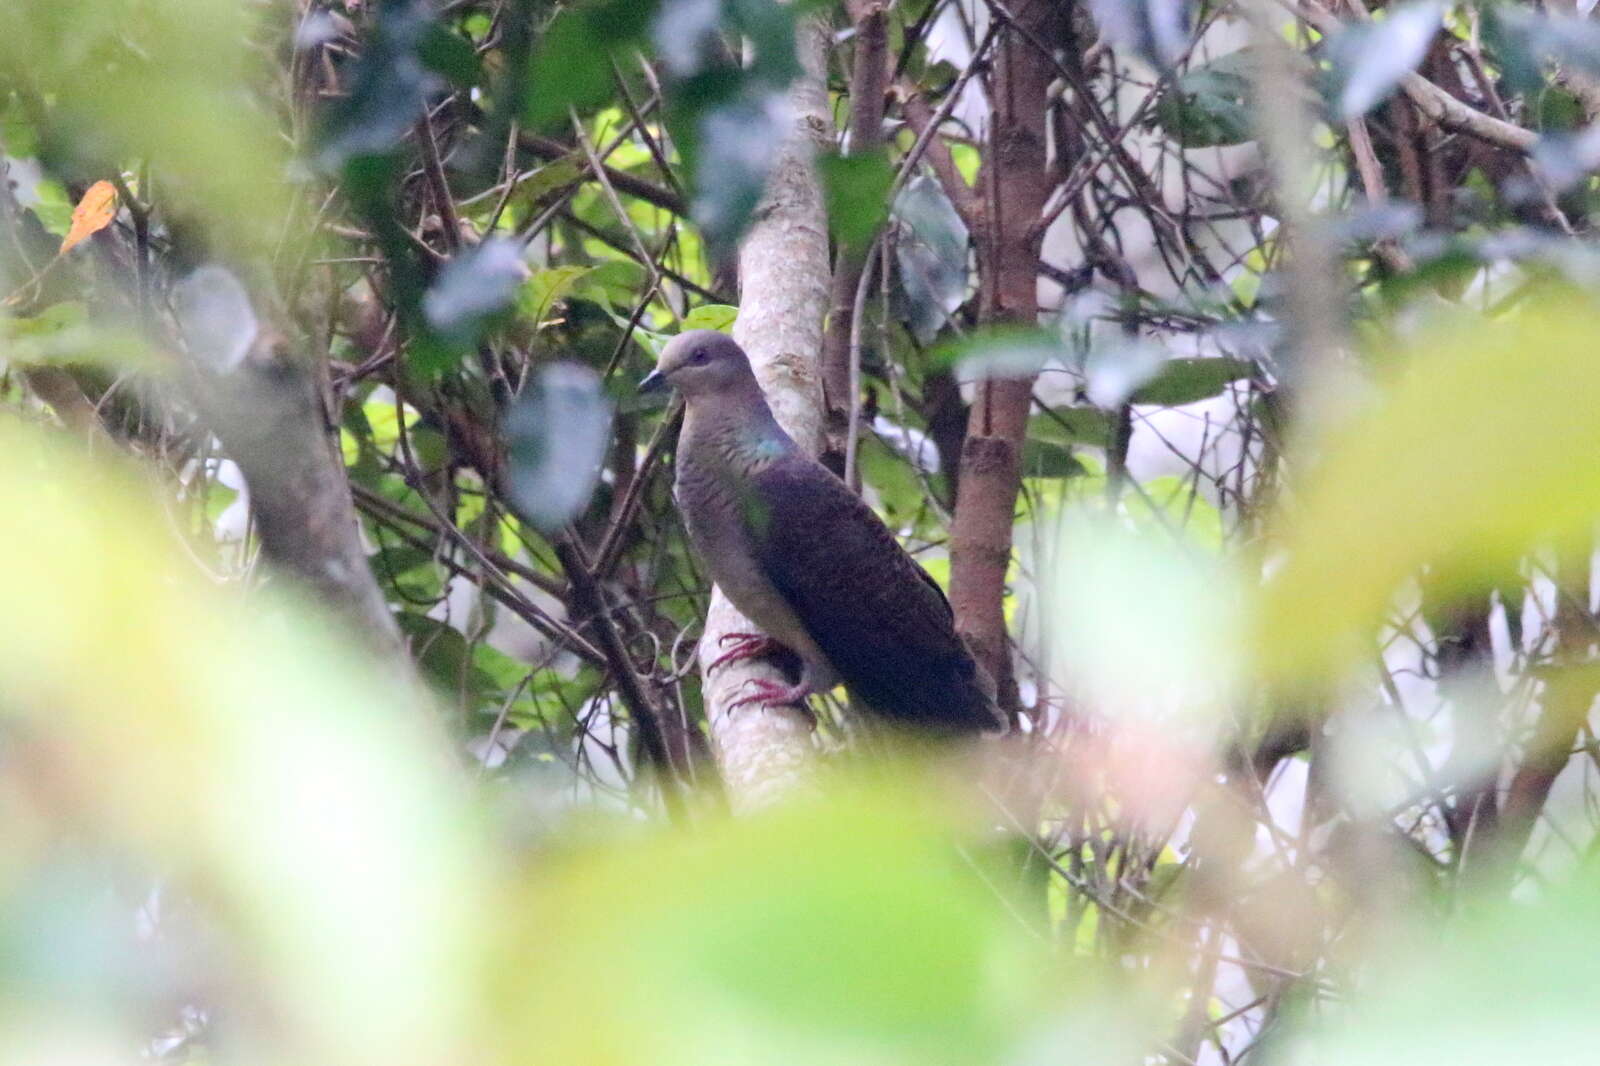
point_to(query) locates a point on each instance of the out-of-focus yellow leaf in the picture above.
(1482, 447)
(94, 213)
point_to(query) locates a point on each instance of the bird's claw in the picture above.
(745, 646)
(772, 694)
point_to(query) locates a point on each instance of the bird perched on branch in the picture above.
(807, 560)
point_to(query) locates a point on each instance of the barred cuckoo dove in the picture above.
(807, 560)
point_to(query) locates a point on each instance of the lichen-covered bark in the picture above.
(766, 753)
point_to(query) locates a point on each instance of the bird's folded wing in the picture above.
(881, 620)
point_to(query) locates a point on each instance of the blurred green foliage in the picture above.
(232, 838)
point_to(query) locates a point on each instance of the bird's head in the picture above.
(701, 362)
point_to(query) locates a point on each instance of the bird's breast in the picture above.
(717, 516)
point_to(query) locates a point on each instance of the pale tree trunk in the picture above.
(267, 407)
(768, 752)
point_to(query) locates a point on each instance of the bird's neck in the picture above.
(741, 431)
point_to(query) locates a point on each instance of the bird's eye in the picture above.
(699, 357)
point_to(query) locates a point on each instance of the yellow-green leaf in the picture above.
(1482, 447)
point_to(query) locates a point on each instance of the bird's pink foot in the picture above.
(745, 646)
(771, 694)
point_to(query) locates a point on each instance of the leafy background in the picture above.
(1302, 606)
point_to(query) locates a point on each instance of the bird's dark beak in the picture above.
(655, 381)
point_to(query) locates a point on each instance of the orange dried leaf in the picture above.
(93, 214)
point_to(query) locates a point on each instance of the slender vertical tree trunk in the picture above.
(1016, 182)
(869, 82)
(783, 275)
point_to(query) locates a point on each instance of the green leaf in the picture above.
(381, 421)
(449, 55)
(546, 288)
(1436, 995)
(1210, 106)
(719, 317)
(61, 334)
(728, 120)
(53, 319)
(159, 80)
(763, 933)
(19, 137)
(571, 67)
(769, 28)
(444, 657)
(53, 206)
(556, 174)
(999, 352)
(1043, 458)
(1073, 425)
(856, 188)
(410, 571)
(1559, 110)
(1189, 380)
(900, 494)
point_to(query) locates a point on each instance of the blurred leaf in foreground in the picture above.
(1370, 59)
(216, 317)
(932, 256)
(1528, 41)
(559, 431)
(166, 81)
(569, 66)
(1481, 448)
(999, 352)
(1150, 631)
(1441, 996)
(62, 334)
(733, 141)
(1156, 30)
(852, 931)
(242, 753)
(473, 289)
(389, 86)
